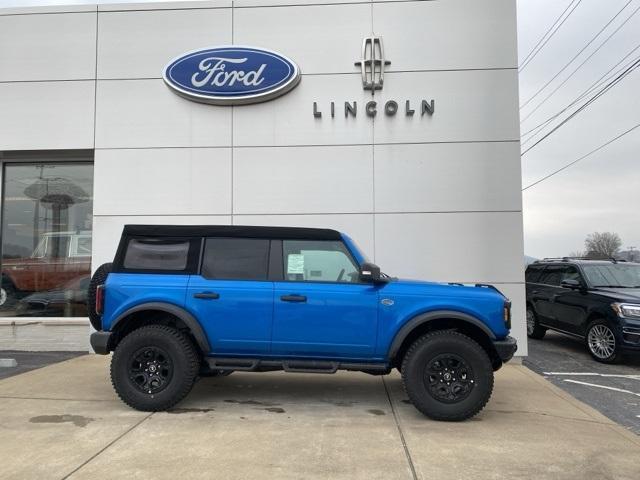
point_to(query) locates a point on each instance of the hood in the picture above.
(621, 294)
(455, 289)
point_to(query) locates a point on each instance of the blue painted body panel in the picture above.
(126, 290)
(337, 320)
(237, 323)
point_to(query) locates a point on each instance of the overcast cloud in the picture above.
(602, 192)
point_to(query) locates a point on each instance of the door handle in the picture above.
(293, 298)
(207, 295)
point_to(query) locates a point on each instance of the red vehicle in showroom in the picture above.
(59, 258)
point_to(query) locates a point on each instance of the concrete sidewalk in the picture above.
(65, 421)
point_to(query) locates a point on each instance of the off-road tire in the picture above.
(184, 359)
(538, 331)
(99, 277)
(414, 375)
(616, 356)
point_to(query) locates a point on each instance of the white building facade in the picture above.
(92, 138)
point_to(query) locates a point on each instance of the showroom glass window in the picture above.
(46, 239)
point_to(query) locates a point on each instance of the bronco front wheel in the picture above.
(447, 376)
(154, 367)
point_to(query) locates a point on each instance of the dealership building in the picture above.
(393, 121)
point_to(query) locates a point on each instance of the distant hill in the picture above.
(528, 259)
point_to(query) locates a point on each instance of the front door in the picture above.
(232, 297)
(320, 308)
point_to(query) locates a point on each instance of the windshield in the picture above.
(618, 275)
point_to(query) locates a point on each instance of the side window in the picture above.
(571, 273)
(553, 274)
(83, 246)
(155, 254)
(236, 259)
(533, 273)
(318, 261)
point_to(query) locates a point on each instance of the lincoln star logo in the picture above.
(231, 75)
(372, 64)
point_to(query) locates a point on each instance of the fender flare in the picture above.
(423, 318)
(189, 320)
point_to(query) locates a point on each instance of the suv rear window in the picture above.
(154, 254)
(236, 259)
(533, 273)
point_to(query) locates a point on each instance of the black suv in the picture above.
(597, 301)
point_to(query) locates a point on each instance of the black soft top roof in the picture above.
(231, 231)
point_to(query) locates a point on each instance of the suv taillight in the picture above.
(99, 299)
(507, 314)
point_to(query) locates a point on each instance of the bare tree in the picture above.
(578, 254)
(605, 244)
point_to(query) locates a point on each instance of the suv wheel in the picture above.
(154, 367)
(601, 342)
(534, 329)
(99, 277)
(447, 376)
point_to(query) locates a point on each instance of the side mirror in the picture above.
(370, 273)
(571, 283)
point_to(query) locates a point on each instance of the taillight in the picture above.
(507, 314)
(99, 299)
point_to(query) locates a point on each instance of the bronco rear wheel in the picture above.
(154, 367)
(99, 277)
(447, 376)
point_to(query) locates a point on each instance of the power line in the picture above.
(601, 92)
(609, 142)
(599, 82)
(530, 56)
(576, 55)
(578, 67)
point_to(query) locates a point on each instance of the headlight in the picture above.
(629, 310)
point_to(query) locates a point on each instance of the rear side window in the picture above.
(155, 254)
(236, 259)
(533, 273)
(553, 274)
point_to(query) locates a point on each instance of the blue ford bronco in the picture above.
(179, 302)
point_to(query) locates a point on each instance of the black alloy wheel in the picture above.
(449, 378)
(447, 375)
(154, 367)
(150, 369)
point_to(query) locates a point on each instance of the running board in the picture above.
(292, 366)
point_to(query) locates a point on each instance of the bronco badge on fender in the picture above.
(231, 75)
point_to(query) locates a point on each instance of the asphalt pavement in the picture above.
(613, 390)
(27, 361)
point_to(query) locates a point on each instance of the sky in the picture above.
(601, 192)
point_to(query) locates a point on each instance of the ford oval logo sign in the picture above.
(231, 75)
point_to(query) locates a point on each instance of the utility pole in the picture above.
(632, 254)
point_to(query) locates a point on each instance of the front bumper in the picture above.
(100, 342)
(506, 348)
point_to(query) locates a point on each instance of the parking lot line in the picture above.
(621, 390)
(592, 374)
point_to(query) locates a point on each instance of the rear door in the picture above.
(321, 309)
(570, 305)
(543, 292)
(232, 295)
